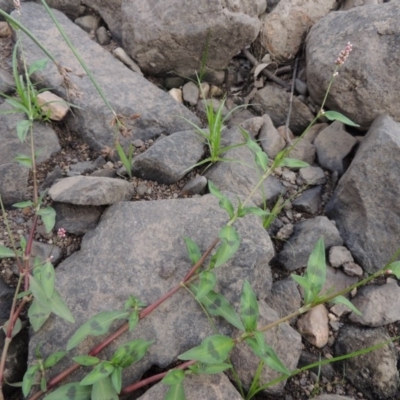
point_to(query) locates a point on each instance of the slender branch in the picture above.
(291, 102)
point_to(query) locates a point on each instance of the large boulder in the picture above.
(367, 85)
(365, 204)
(175, 35)
(126, 91)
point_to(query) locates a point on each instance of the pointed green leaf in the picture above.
(86, 361)
(38, 292)
(175, 392)
(48, 277)
(249, 308)
(217, 305)
(104, 390)
(37, 65)
(346, 302)
(17, 327)
(206, 284)
(133, 320)
(253, 146)
(53, 359)
(43, 384)
(23, 204)
(173, 377)
(116, 379)
(98, 325)
(262, 160)
(226, 204)
(214, 190)
(48, 217)
(395, 268)
(71, 391)
(130, 352)
(29, 379)
(213, 349)
(25, 161)
(59, 307)
(210, 369)
(230, 244)
(193, 250)
(316, 271)
(302, 281)
(292, 163)
(253, 210)
(5, 252)
(99, 372)
(22, 243)
(336, 116)
(38, 314)
(22, 129)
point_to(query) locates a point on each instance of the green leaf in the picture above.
(206, 284)
(86, 361)
(53, 359)
(346, 302)
(213, 349)
(48, 217)
(395, 268)
(262, 160)
(204, 369)
(175, 392)
(59, 307)
(336, 116)
(133, 320)
(116, 379)
(104, 390)
(249, 308)
(37, 65)
(17, 327)
(217, 305)
(173, 377)
(98, 325)
(253, 146)
(316, 272)
(38, 292)
(253, 210)
(302, 281)
(130, 353)
(43, 384)
(193, 250)
(29, 379)
(226, 204)
(71, 391)
(292, 163)
(214, 190)
(25, 161)
(230, 244)
(23, 294)
(5, 252)
(22, 129)
(125, 161)
(99, 372)
(48, 277)
(38, 314)
(23, 204)
(22, 243)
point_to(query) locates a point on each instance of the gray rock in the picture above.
(151, 258)
(283, 339)
(270, 139)
(191, 93)
(105, 173)
(216, 387)
(349, 4)
(72, 8)
(331, 396)
(326, 371)
(312, 175)
(85, 167)
(338, 255)
(172, 82)
(196, 185)
(301, 87)
(352, 269)
(102, 36)
(285, 297)
(6, 6)
(240, 176)
(312, 133)
(7, 84)
(90, 190)
(162, 41)
(298, 248)
(6, 299)
(304, 151)
(374, 374)
(380, 305)
(314, 326)
(13, 183)
(371, 68)
(336, 281)
(202, 108)
(159, 113)
(334, 145)
(170, 158)
(367, 197)
(52, 177)
(252, 125)
(274, 101)
(45, 139)
(44, 250)
(309, 201)
(283, 29)
(75, 219)
(88, 23)
(121, 55)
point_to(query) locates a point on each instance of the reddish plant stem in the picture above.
(154, 378)
(61, 376)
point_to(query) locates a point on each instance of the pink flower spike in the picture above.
(61, 233)
(344, 54)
